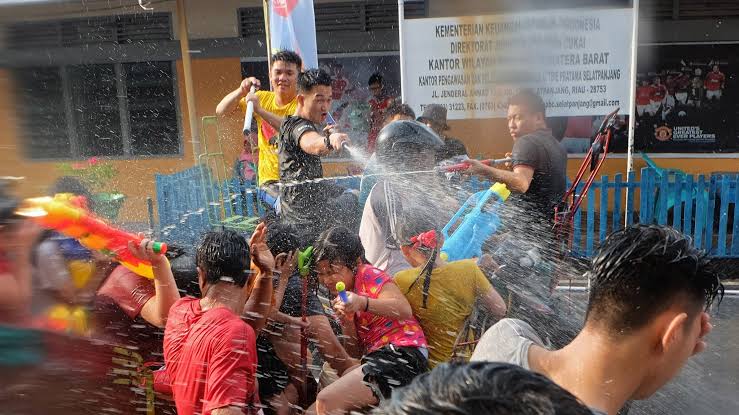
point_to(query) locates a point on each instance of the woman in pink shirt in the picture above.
(377, 320)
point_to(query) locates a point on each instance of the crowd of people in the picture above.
(357, 281)
(677, 93)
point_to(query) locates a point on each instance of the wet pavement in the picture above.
(709, 384)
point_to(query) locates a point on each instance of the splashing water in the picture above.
(357, 154)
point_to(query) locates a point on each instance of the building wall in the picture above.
(136, 176)
(214, 76)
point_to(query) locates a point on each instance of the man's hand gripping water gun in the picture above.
(66, 214)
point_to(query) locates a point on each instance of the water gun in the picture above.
(477, 226)
(341, 289)
(65, 214)
(249, 116)
(466, 165)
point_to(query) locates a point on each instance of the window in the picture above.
(42, 101)
(114, 110)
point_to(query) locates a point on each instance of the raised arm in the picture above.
(230, 102)
(259, 305)
(389, 303)
(517, 180)
(156, 310)
(317, 144)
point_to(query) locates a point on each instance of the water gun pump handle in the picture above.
(249, 112)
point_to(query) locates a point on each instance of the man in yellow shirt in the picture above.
(442, 295)
(270, 108)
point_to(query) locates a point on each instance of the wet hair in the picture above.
(288, 56)
(409, 227)
(375, 78)
(399, 109)
(281, 238)
(641, 271)
(224, 257)
(311, 78)
(184, 270)
(481, 388)
(530, 100)
(339, 245)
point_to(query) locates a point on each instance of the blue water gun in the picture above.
(478, 225)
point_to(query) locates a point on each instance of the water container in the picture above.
(480, 222)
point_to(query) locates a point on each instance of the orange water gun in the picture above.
(67, 214)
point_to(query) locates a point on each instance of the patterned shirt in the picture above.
(376, 332)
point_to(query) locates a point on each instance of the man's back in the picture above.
(541, 151)
(210, 357)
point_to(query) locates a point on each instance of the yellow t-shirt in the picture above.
(268, 168)
(452, 293)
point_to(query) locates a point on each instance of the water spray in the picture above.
(466, 165)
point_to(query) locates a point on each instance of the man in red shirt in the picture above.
(714, 83)
(659, 92)
(643, 97)
(379, 103)
(209, 351)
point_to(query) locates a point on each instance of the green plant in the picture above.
(96, 175)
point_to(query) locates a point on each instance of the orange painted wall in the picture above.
(212, 78)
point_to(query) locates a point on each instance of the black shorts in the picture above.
(271, 371)
(392, 367)
(292, 301)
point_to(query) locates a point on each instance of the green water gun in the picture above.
(305, 261)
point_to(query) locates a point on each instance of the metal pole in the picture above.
(187, 69)
(401, 17)
(632, 100)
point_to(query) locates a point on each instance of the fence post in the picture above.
(690, 197)
(677, 207)
(723, 222)
(645, 196)
(700, 211)
(603, 225)
(631, 185)
(710, 214)
(617, 184)
(590, 230)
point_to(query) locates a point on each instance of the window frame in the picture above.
(123, 114)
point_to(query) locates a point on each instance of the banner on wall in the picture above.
(685, 100)
(577, 60)
(292, 26)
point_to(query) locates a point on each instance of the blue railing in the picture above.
(189, 203)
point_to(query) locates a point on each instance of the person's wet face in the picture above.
(715, 68)
(284, 77)
(316, 103)
(376, 89)
(521, 121)
(331, 273)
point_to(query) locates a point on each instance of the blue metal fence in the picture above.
(703, 207)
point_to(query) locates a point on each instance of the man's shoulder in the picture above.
(230, 325)
(507, 341)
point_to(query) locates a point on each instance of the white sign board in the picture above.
(576, 60)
